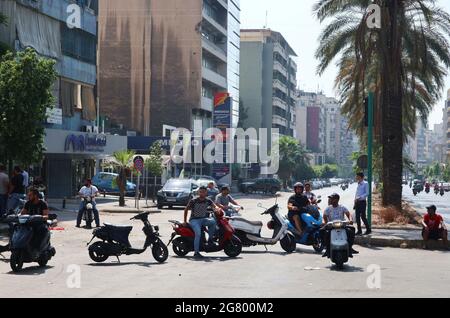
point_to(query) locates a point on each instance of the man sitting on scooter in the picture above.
(36, 206)
(337, 212)
(223, 200)
(88, 190)
(200, 217)
(296, 206)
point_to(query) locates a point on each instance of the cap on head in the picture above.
(225, 187)
(334, 196)
(431, 208)
(203, 188)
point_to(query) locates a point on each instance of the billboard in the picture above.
(222, 121)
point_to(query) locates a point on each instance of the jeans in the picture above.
(95, 211)
(14, 201)
(3, 203)
(197, 225)
(360, 208)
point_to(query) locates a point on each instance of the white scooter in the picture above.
(339, 249)
(250, 232)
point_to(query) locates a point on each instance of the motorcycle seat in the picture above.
(124, 228)
(255, 223)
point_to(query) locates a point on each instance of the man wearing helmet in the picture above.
(296, 206)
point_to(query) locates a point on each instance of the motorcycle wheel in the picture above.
(339, 260)
(318, 246)
(180, 247)
(160, 252)
(95, 252)
(233, 248)
(288, 243)
(16, 261)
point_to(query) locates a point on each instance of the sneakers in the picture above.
(359, 233)
(368, 232)
(78, 226)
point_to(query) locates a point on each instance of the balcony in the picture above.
(214, 78)
(207, 104)
(277, 66)
(279, 85)
(213, 20)
(214, 49)
(278, 48)
(223, 3)
(278, 120)
(278, 102)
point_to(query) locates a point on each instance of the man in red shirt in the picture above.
(434, 227)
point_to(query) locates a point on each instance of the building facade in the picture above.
(73, 144)
(162, 62)
(268, 81)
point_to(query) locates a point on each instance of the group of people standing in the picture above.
(13, 189)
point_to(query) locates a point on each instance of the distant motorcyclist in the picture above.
(87, 191)
(296, 206)
(224, 199)
(212, 190)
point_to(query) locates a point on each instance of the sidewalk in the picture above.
(397, 238)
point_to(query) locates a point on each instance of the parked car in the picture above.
(208, 179)
(266, 185)
(105, 182)
(326, 183)
(176, 192)
(204, 183)
(446, 186)
(316, 185)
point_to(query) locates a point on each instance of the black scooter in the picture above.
(88, 211)
(30, 240)
(114, 241)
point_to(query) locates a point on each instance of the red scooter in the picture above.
(183, 239)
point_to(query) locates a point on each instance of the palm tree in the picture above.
(292, 156)
(404, 63)
(123, 162)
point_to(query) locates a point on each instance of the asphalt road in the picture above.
(422, 200)
(256, 273)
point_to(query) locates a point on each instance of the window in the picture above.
(78, 44)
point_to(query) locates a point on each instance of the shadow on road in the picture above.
(346, 269)
(114, 264)
(266, 252)
(208, 259)
(31, 271)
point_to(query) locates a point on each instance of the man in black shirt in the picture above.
(296, 206)
(34, 205)
(16, 189)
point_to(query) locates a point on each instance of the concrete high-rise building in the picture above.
(268, 80)
(162, 62)
(73, 146)
(446, 124)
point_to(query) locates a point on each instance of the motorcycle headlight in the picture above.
(89, 206)
(338, 225)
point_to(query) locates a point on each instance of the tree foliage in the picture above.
(25, 93)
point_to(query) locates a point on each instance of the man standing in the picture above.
(200, 217)
(16, 189)
(91, 191)
(4, 182)
(362, 193)
(434, 227)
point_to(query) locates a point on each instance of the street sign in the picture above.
(363, 162)
(139, 163)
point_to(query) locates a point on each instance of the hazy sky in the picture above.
(294, 19)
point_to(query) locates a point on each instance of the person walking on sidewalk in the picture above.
(434, 227)
(4, 182)
(362, 193)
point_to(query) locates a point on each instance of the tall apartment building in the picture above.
(73, 148)
(268, 80)
(162, 62)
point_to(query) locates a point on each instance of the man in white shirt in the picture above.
(337, 212)
(362, 193)
(91, 191)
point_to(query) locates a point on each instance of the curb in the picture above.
(397, 243)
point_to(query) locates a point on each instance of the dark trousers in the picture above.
(361, 207)
(3, 203)
(96, 217)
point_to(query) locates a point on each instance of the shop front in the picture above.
(71, 157)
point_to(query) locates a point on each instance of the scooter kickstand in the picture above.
(118, 259)
(265, 246)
